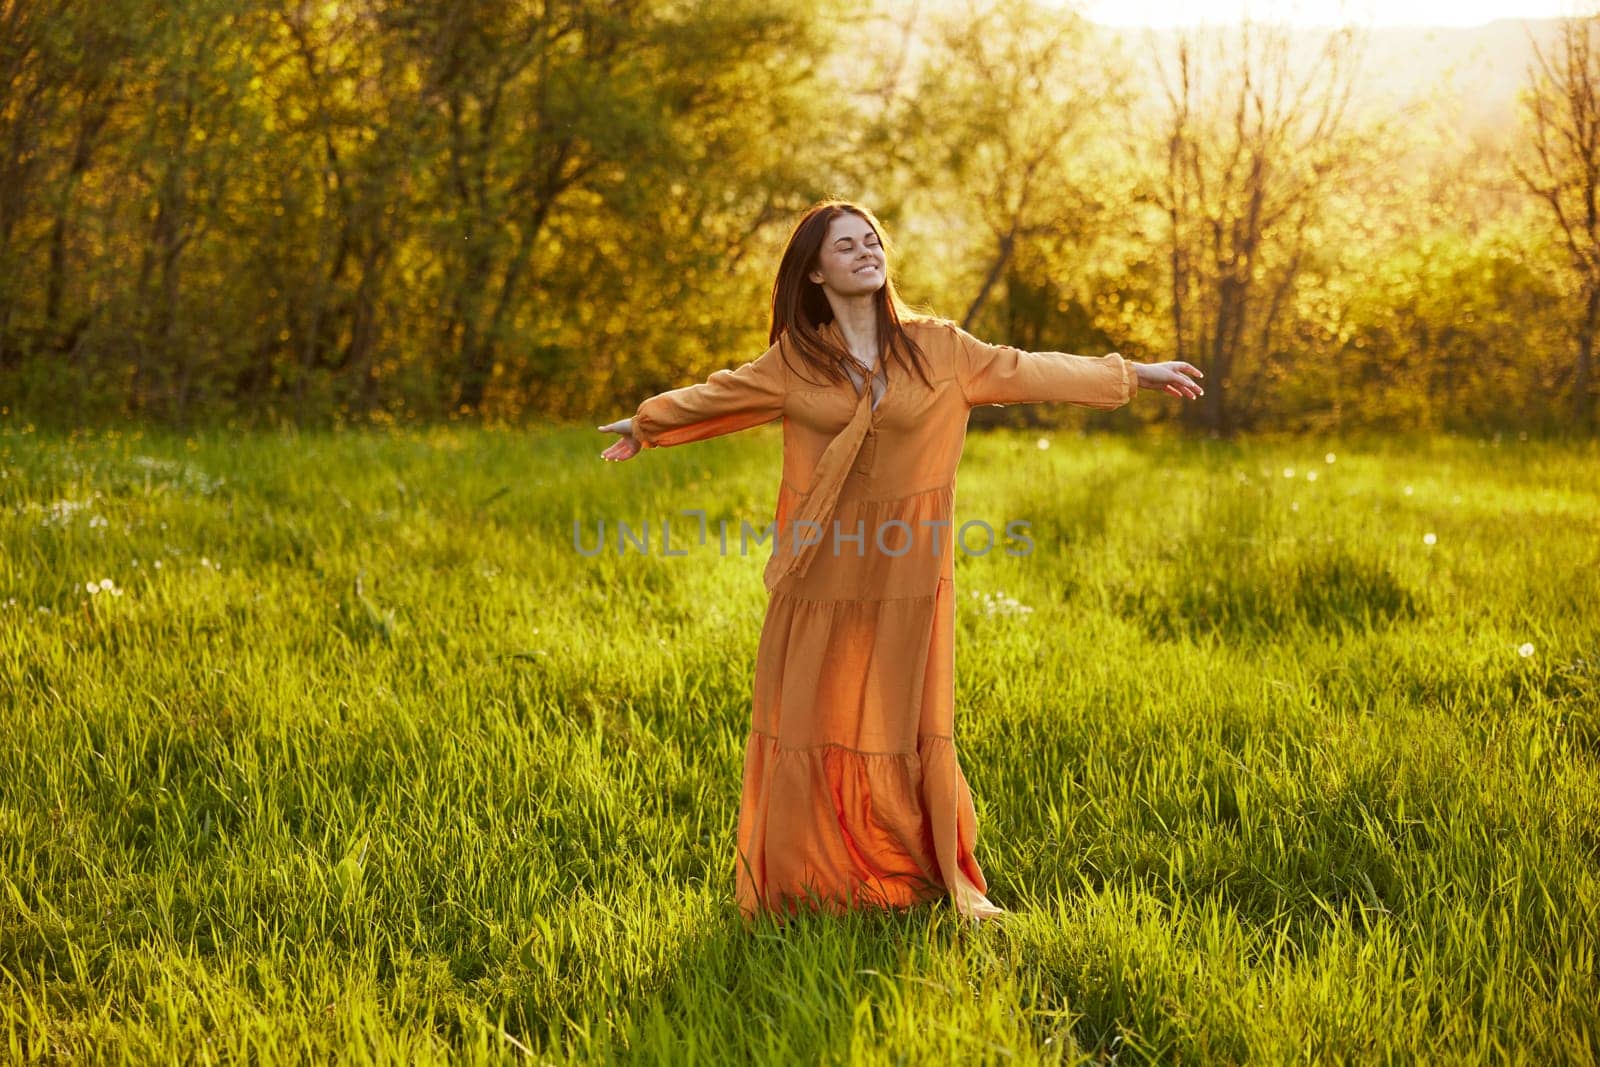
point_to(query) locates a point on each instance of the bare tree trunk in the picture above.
(1002, 257)
(1583, 405)
(91, 120)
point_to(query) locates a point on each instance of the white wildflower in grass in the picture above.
(179, 474)
(60, 512)
(1288, 472)
(98, 522)
(1311, 476)
(1429, 539)
(1406, 490)
(1525, 649)
(1043, 442)
(92, 587)
(998, 603)
(158, 564)
(107, 583)
(1329, 458)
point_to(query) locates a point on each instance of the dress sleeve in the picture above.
(728, 401)
(1001, 374)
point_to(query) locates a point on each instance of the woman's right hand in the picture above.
(624, 447)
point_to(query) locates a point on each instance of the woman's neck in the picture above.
(858, 322)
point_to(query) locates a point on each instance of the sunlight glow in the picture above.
(1168, 13)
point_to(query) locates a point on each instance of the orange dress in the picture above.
(852, 792)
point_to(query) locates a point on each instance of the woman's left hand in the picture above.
(1171, 377)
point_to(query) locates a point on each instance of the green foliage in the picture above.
(376, 211)
(350, 755)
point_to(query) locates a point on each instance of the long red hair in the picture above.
(800, 308)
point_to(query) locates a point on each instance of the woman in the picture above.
(852, 793)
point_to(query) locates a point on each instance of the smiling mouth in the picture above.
(869, 266)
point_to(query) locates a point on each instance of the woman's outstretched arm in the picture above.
(728, 401)
(1001, 374)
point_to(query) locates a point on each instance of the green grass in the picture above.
(374, 765)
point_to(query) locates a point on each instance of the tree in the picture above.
(1251, 142)
(1563, 105)
(1012, 94)
(62, 69)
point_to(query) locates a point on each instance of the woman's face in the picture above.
(851, 261)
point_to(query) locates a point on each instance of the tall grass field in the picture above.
(340, 747)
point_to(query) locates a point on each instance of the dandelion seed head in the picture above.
(1288, 472)
(1329, 458)
(1429, 539)
(1311, 476)
(1525, 649)
(1043, 442)
(92, 587)
(106, 583)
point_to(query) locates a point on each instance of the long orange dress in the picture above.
(852, 793)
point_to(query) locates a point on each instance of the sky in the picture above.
(1165, 13)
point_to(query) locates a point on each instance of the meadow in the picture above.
(331, 746)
